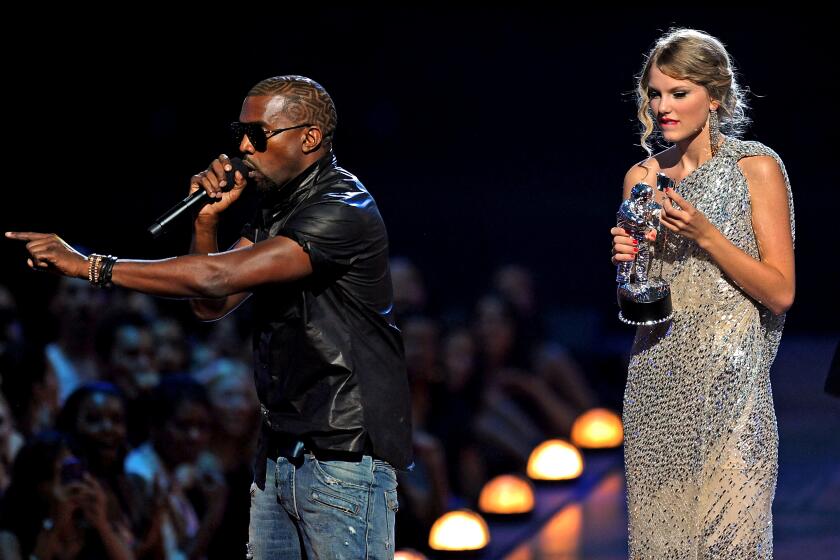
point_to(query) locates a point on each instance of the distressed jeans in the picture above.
(324, 510)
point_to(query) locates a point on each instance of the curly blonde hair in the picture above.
(696, 56)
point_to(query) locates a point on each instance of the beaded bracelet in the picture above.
(94, 262)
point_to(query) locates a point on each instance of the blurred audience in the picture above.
(409, 289)
(94, 420)
(76, 307)
(160, 414)
(235, 412)
(54, 510)
(10, 443)
(172, 351)
(126, 351)
(195, 491)
(11, 331)
(31, 390)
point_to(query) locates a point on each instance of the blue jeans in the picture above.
(324, 510)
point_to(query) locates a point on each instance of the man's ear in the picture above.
(312, 140)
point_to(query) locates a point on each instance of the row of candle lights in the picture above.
(510, 494)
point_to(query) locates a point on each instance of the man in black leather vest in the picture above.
(329, 364)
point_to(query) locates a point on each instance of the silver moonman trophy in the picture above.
(643, 299)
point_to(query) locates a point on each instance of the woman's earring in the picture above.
(714, 131)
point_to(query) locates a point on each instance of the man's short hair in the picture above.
(307, 101)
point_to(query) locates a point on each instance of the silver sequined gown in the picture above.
(701, 444)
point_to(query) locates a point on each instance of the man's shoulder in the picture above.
(336, 178)
(342, 192)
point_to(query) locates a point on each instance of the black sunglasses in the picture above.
(257, 135)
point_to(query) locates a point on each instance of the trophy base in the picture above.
(645, 304)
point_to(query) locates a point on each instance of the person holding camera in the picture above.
(55, 510)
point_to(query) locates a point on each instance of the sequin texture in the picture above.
(701, 442)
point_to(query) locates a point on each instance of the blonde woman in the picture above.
(701, 447)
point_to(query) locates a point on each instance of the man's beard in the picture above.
(264, 184)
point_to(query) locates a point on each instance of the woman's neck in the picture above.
(694, 152)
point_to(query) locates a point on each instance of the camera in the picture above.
(72, 470)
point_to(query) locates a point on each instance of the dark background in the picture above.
(486, 136)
